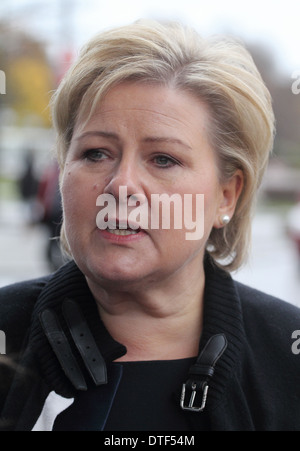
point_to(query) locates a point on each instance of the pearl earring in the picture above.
(225, 219)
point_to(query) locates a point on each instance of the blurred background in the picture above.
(38, 41)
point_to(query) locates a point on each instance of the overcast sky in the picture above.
(276, 23)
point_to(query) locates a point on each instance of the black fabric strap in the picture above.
(85, 342)
(62, 349)
(212, 351)
(200, 374)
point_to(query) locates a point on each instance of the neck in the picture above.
(160, 323)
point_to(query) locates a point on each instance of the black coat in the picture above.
(256, 381)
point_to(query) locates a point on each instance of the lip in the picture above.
(122, 224)
(122, 239)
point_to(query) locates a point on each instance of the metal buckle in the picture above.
(191, 406)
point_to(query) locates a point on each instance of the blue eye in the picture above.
(164, 162)
(94, 155)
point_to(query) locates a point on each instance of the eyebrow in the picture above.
(150, 139)
(98, 133)
(155, 139)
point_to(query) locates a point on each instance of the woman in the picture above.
(144, 329)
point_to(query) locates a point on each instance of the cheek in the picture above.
(79, 199)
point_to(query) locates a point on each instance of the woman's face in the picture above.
(146, 140)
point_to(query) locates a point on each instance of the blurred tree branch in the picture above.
(286, 106)
(29, 76)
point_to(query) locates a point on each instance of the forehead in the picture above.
(148, 104)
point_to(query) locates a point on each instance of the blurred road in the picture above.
(22, 247)
(273, 266)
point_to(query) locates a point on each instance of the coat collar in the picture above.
(68, 283)
(222, 314)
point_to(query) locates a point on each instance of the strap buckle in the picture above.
(201, 372)
(191, 407)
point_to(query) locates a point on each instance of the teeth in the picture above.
(122, 232)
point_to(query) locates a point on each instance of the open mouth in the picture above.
(123, 232)
(123, 229)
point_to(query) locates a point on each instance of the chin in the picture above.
(114, 275)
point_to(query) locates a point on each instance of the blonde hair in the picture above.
(219, 71)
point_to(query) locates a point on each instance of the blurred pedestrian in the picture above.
(50, 207)
(28, 184)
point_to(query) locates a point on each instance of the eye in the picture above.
(165, 161)
(94, 155)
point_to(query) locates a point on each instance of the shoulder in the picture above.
(16, 305)
(265, 305)
(20, 297)
(270, 363)
(267, 319)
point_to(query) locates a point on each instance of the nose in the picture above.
(126, 174)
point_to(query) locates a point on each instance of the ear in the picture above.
(229, 194)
